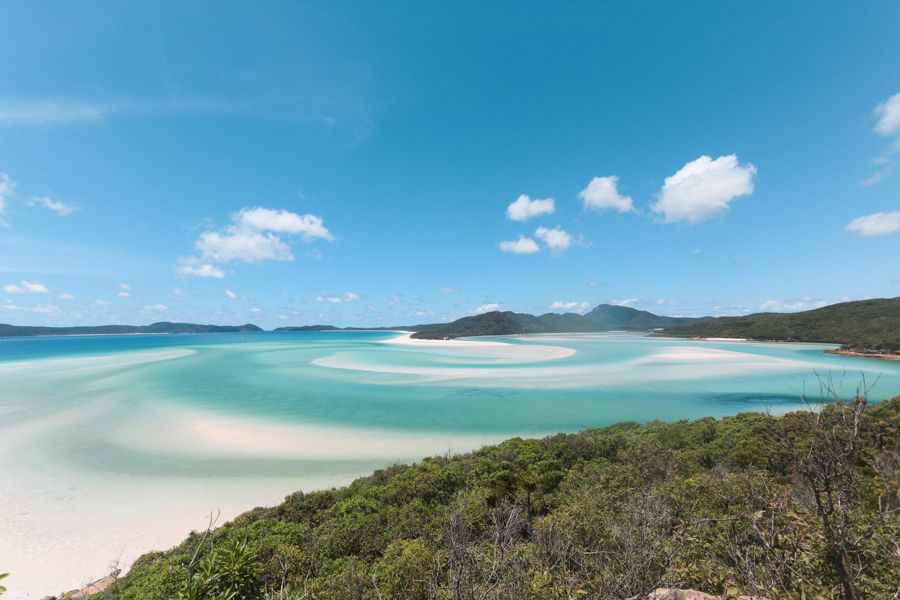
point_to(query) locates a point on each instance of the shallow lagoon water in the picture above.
(111, 446)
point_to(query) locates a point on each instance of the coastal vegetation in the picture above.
(865, 326)
(161, 327)
(803, 505)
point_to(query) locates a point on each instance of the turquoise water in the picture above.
(113, 445)
(272, 376)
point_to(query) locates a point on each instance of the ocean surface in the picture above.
(112, 446)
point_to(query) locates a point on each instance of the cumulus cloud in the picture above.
(448, 290)
(156, 308)
(231, 294)
(60, 208)
(124, 290)
(256, 235)
(204, 270)
(523, 245)
(484, 308)
(602, 193)
(26, 287)
(703, 188)
(524, 208)
(338, 298)
(557, 240)
(572, 306)
(875, 224)
(66, 296)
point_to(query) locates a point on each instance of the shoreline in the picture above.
(861, 354)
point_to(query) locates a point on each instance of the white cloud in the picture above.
(524, 208)
(875, 224)
(625, 302)
(484, 308)
(7, 186)
(557, 240)
(38, 309)
(255, 235)
(448, 290)
(791, 305)
(60, 208)
(703, 188)
(310, 227)
(156, 308)
(255, 310)
(338, 299)
(26, 287)
(888, 125)
(124, 294)
(66, 296)
(603, 192)
(231, 294)
(578, 307)
(523, 245)
(99, 302)
(888, 113)
(124, 290)
(204, 270)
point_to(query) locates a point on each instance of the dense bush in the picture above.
(800, 506)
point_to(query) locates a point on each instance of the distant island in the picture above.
(861, 327)
(161, 327)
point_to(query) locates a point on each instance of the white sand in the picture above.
(61, 527)
(406, 339)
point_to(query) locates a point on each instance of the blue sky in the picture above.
(355, 163)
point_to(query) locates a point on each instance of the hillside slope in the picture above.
(718, 505)
(606, 317)
(865, 326)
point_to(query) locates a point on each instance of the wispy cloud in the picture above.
(338, 298)
(887, 124)
(484, 308)
(60, 208)
(26, 287)
(571, 306)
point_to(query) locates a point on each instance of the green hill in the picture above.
(864, 326)
(161, 327)
(799, 506)
(606, 317)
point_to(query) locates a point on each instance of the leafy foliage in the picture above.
(728, 506)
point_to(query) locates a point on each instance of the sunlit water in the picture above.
(111, 446)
